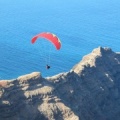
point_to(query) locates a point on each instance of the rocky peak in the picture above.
(98, 57)
(90, 91)
(102, 51)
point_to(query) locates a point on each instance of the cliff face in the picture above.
(89, 91)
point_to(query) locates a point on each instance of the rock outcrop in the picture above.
(89, 91)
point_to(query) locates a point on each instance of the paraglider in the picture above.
(50, 37)
(47, 67)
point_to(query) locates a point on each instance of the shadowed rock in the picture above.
(89, 91)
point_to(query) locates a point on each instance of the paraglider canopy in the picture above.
(48, 36)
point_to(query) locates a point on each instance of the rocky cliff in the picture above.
(89, 91)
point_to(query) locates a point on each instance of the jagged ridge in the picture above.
(89, 91)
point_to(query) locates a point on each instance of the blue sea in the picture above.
(81, 25)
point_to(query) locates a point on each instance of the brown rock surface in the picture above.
(89, 91)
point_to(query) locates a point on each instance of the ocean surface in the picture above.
(81, 25)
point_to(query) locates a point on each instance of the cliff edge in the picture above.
(89, 91)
